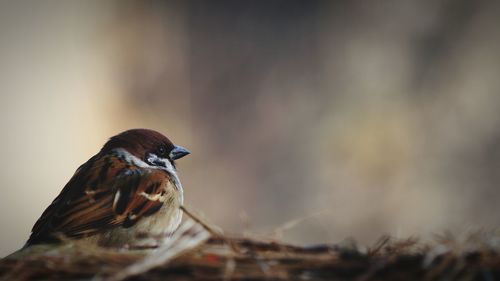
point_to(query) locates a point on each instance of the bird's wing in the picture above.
(105, 192)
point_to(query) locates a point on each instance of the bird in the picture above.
(128, 189)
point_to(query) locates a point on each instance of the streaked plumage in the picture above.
(129, 188)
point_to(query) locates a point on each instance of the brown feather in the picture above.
(87, 204)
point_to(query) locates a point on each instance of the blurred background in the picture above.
(350, 118)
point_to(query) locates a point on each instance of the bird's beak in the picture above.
(178, 152)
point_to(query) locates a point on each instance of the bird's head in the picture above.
(149, 146)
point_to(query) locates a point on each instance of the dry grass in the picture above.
(197, 252)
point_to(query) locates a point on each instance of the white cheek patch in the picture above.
(167, 166)
(122, 153)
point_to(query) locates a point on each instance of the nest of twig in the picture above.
(196, 252)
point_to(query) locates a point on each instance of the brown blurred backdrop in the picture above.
(363, 117)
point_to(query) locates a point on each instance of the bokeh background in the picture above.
(309, 121)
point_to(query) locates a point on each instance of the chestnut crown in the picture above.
(144, 142)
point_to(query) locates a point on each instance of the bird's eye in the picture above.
(162, 151)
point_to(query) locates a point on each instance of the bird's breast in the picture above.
(162, 223)
(168, 218)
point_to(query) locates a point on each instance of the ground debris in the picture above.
(248, 259)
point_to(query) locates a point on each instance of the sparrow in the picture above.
(128, 189)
